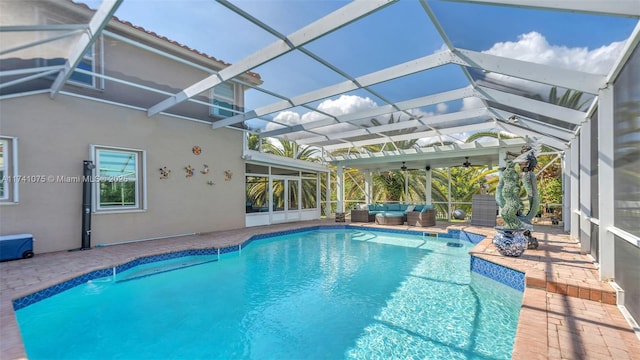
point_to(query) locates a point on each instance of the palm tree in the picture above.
(491, 134)
(404, 144)
(465, 182)
(254, 141)
(387, 185)
(570, 99)
(550, 179)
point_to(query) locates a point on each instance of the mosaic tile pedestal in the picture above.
(510, 242)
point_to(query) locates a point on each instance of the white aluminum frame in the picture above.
(141, 174)
(13, 190)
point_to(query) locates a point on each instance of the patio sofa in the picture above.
(395, 214)
(422, 218)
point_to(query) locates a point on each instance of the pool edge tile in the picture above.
(504, 275)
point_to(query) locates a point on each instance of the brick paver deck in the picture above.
(567, 313)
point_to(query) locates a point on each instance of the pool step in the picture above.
(160, 269)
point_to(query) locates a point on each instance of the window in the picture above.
(257, 194)
(293, 194)
(9, 178)
(90, 61)
(119, 179)
(224, 100)
(309, 193)
(86, 63)
(3, 170)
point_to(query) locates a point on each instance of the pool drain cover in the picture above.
(452, 244)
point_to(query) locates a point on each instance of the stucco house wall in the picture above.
(54, 138)
(55, 135)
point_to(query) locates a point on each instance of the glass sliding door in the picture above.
(276, 194)
(278, 190)
(293, 197)
(286, 199)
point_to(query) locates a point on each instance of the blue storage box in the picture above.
(18, 246)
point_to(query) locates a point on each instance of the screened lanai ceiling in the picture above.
(352, 78)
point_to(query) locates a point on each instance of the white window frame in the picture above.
(141, 180)
(90, 55)
(10, 174)
(90, 58)
(215, 109)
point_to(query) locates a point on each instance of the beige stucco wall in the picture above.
(55, 137)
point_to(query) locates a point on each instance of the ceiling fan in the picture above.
(405, 168)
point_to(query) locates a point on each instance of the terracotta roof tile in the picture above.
(164, 38)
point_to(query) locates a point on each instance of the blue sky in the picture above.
(395, 34)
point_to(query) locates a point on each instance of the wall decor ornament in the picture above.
(189, 170)
(205, 169)
(227, 175)
(210, 183)
(164, 173)
(196, 150)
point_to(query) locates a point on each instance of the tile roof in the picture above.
(166, 39)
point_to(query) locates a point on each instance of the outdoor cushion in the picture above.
(391, 213)
(410, 208)
(393, 207)
(427, 208)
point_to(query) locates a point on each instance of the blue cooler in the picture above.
(18, 246)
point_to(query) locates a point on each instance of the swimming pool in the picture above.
(324, 294)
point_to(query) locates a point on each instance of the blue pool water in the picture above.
(322, 294)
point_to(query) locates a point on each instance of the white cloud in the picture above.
(471, 103)
(534, 47)
(344, 104)
(287, 117)
(531, 46)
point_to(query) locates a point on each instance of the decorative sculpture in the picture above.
(530, 186)
(515, 237)
(205, 169)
